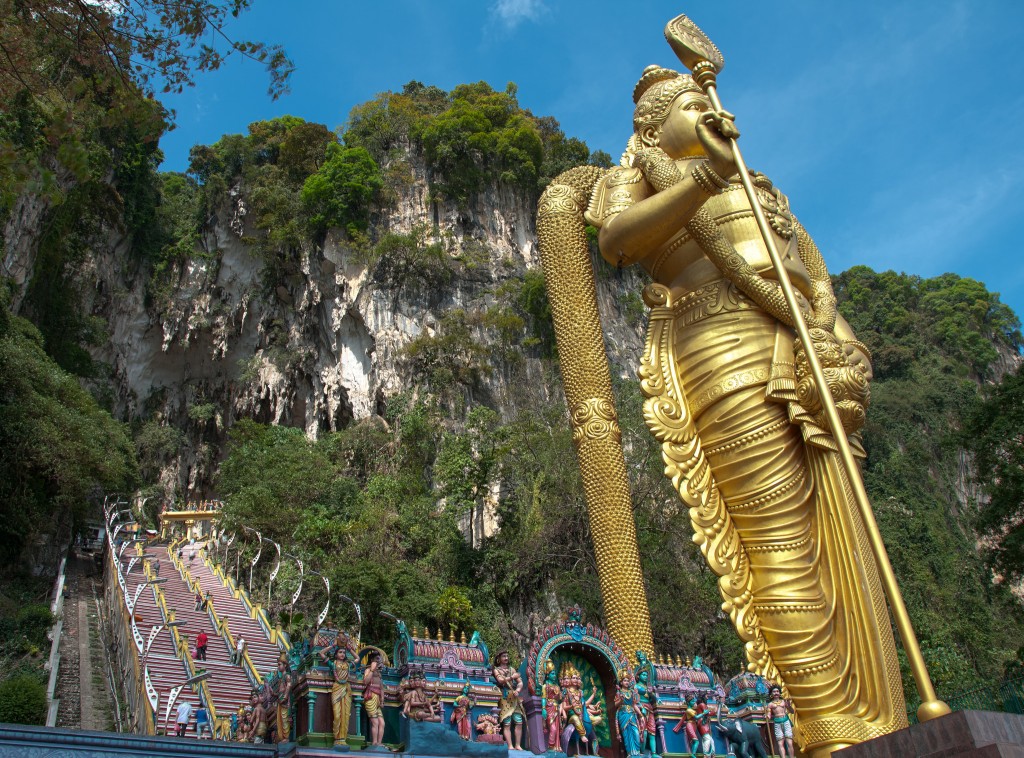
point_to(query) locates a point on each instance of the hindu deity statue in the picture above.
(510, 707)
(688, 723)
(416, 703)
(732, 400)
(779, 709)
(462, 712)
(489, 728)
(646, 712)
(283, 684)
(572, 701)
(625, 714)
(373, 699)
(341, 662)
(551, 707)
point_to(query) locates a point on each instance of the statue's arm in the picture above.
(654, 214)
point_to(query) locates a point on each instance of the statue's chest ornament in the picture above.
(775, 205)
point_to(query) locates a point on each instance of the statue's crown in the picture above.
(651, 76)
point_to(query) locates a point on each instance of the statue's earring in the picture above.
(649, 136)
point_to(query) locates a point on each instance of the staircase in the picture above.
(166, 669)
(263, 654)
(229, 685)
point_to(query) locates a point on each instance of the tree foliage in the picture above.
(58, 445)
(932, 341)
(340, 191)
(471, 137)
(69, 67)
(994, 434)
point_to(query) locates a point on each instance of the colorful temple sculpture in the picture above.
(577, 693)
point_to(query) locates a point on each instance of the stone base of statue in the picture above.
(432, 738)
(981, 734)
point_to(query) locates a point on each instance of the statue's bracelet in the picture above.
(708, 179)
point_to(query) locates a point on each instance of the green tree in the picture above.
(59, 446)
(994, 434)
(339, 193)
(22, 700)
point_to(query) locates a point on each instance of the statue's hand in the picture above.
(715, 129)
(858, 359)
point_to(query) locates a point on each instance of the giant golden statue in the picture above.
(746, 398)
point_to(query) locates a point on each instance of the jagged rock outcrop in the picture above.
(324, 345)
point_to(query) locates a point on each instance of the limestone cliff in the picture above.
(325, 344)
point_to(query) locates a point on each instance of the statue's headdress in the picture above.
(654, 94)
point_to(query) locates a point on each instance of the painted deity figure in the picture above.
(416, 703)
(284, 682)
(646, 712)
(778, 709)
(510, 707)
(625, 714)
(551, 707)
(341, 687)
(702, 717)
(373, 699)
(243, 732)
(688, 723)
(257, 719)
(462, 713)
(731, 398)
(488, 725)
(573, 706)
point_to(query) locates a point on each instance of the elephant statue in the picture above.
(743, 736)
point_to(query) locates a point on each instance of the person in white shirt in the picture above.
(239, 651)
(184, 714)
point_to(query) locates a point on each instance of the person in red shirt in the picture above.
(201, 646)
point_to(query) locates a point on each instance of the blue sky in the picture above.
(894, 127)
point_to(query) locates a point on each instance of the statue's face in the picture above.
(642, 677)
(503, 659)
(678, 135)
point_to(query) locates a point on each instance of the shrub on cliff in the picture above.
(340, 192)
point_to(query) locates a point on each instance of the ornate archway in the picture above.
(591, 653)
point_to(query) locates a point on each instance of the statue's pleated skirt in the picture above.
(816, 589)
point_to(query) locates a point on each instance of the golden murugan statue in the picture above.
(733, 398)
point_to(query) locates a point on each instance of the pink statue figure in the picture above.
(462, 713)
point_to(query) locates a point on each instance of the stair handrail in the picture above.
(250, 668)
(139, 674)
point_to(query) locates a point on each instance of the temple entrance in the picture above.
(578, 665)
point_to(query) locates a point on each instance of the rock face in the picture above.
(324, 343)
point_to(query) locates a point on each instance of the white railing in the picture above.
(56, 610)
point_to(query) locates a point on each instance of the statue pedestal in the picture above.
(983, 734)
(432, 738)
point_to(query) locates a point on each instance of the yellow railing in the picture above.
(181, 645)
(220, 625)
